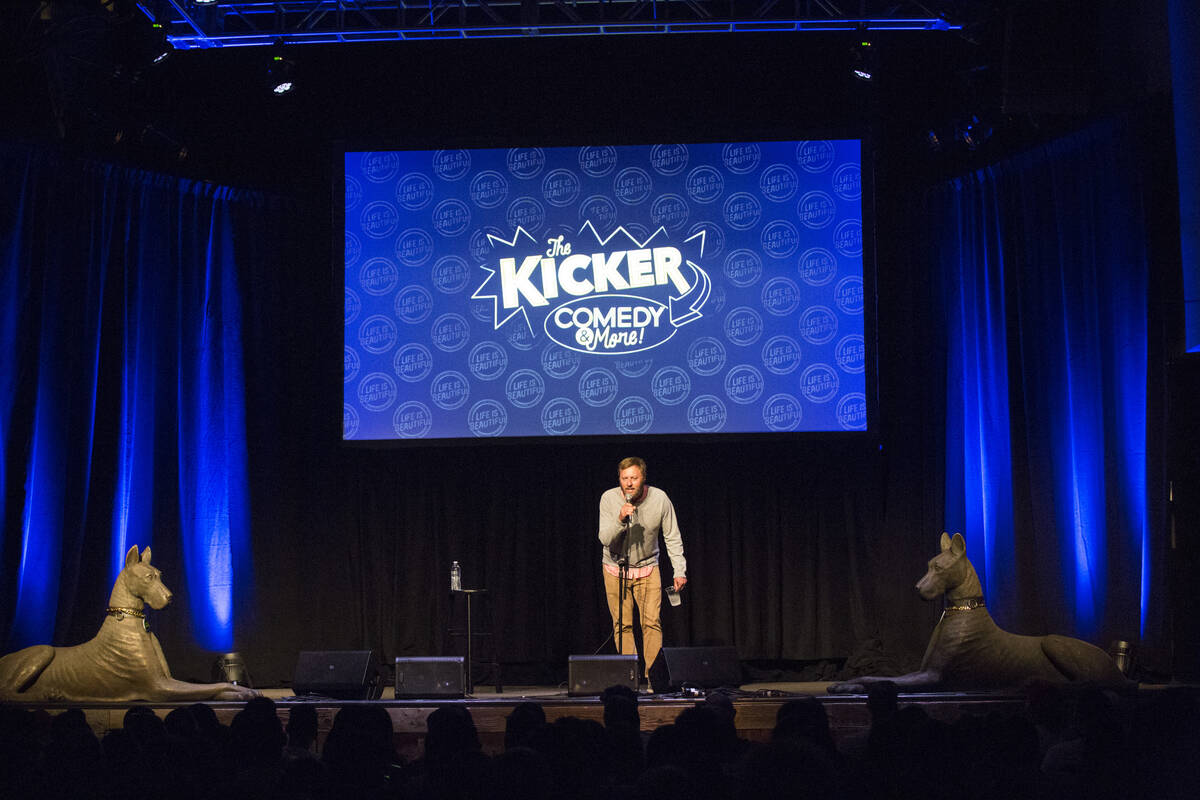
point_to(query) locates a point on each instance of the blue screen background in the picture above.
(746, 313)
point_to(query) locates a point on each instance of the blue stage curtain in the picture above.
(121, 388)
(1044, 290)
(979, 496)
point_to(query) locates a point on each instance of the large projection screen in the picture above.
(704, 288)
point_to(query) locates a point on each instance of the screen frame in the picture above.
(868, 152)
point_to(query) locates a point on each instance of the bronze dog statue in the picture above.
(122, 662)
(969, 651)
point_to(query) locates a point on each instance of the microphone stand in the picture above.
(622, 581)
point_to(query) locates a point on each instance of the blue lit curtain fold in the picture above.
(979, 492)
(12, 300)
(1044, 288)
(123, 417)
(58, 277)
(211, 426)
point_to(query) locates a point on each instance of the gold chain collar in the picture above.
(966, 604)
(117, 611)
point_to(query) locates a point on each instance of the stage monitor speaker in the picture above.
(430, 677)
(339, 674)
(704, 667)
(591, 675)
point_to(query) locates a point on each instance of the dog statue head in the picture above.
(142, 581)
(948, 570)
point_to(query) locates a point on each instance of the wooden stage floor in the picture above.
(756, 705)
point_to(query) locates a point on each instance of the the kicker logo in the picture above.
(606, 296)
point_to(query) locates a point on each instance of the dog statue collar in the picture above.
(120, 613)
(964, 603)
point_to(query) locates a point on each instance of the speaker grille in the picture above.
(589, 675)
(430, 677)
(705, 667)
(339, 674)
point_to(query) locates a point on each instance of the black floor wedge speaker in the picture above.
(338, 674)
(591, 675)
(703, 667)
(430, 677)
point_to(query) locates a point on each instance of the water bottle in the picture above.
(455, 577)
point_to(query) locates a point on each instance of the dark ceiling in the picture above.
(79, 76)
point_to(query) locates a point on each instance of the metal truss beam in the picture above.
(190, 25)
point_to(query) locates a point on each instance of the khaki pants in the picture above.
(647, 593)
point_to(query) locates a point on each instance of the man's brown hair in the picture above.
(632, 461)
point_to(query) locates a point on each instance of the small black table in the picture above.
(469, 633)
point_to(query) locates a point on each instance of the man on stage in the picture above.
(631, 517)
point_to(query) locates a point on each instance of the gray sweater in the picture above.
(654, 514)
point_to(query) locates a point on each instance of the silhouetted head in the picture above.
(256, 735)
(620, 710)
(359, 748)
(206, 719)
(883, 699)
(803, 718)
(703, 737)
(450, 730)
(722, 706)
(181, 723)
(524, 718)
(302, 725)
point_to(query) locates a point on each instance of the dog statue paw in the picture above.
(237, 692)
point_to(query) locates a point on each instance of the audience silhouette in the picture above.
(1068, 742)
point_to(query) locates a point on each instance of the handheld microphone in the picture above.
(628, 497)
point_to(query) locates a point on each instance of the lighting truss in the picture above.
(245, 24)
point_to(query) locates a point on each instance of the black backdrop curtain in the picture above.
(798, 550)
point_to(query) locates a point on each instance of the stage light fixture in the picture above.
(281, 75)
(204, 2)
(232, 667)
(160, 47)
(973, 132)
(863, 61)
(1122, 653)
